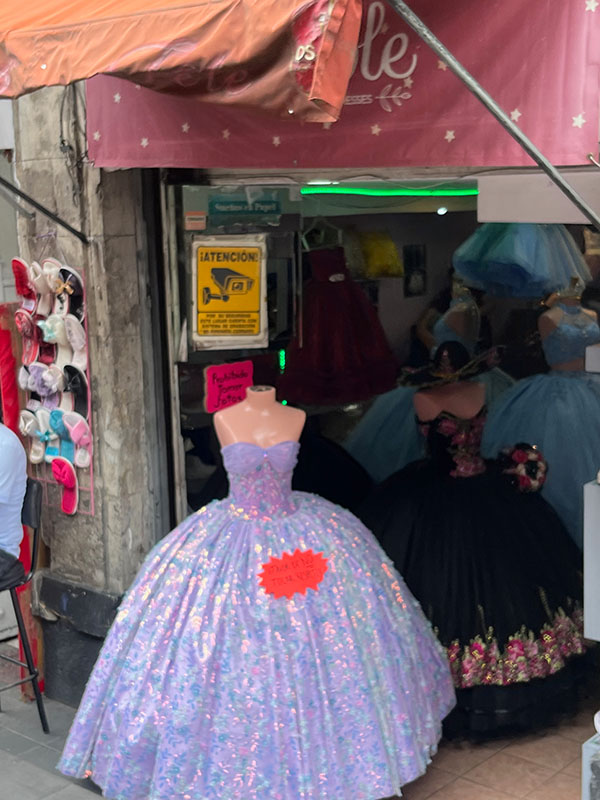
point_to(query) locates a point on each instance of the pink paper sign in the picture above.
(226, 384)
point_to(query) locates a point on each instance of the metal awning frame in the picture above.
(415, 22)
(10, 187)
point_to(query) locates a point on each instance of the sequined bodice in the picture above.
(260, 478)
(567, 342)
(454, 444)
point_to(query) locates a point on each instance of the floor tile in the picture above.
(460, 757)
(14, 743)
(72, 792)
(580, 728)
(559, 787)
(509, 774)
(30, 776)
(43, 757)
(424, 787)
(18, 792)
(551, 750)
(461, 789)
(574, 768)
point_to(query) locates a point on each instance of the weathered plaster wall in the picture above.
(103, 551)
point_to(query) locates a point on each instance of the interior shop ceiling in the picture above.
(356, 191)
(360, 174)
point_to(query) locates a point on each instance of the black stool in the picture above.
(30, 516)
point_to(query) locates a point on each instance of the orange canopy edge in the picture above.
(281, 56)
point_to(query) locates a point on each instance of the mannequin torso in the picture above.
(460, 323)
(549, 321)
(259, 419)
(464, 400)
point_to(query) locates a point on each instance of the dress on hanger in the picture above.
(344, 355)
(210, 688)
(387, 438)
(519, 259)
(560, 412)
(494, 570)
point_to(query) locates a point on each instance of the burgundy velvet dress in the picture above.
(344, 355)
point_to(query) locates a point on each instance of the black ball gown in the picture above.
(495, 571)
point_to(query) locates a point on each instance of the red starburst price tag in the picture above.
(296, 572)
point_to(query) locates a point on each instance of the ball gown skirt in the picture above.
(497, 575)
(520, 259)
(210, 688)
(344, 355)
(560, 413)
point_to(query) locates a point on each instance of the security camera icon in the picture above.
(229, 283)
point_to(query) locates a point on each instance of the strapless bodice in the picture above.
(260, 478)
(568, 341)
(454, 443)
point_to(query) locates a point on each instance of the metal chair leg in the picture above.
(33, 672)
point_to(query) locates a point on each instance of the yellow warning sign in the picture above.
(228, 290)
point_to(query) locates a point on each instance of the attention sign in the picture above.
(229, 292)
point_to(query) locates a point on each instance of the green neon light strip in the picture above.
(369, 192)
(282, 360)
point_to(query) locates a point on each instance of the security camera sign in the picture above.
(229, 292)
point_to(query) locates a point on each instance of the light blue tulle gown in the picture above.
(210, 688)
(560, 413)
(387, 438)
(519, 259)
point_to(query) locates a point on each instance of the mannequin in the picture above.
(558, 411)
(386, 438)
(465, 538)
(464, 400)
(461, 322)
(259, 419)
(240, 625)
(549, 321)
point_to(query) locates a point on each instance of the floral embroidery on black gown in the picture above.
(493, 568)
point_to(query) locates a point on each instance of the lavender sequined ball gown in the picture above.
(208, 688)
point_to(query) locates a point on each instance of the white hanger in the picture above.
(320, 224)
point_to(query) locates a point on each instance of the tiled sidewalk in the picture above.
(28, 756)
(544, 766)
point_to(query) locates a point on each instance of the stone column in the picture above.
(93, 558)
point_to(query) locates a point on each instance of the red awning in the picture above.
(291, 57)
(403, 107)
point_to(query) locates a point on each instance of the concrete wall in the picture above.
(102, 551)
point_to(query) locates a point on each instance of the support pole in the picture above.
(43, 210)
(492, 106)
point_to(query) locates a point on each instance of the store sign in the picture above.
(227, 205)
(226, 384)
(404, 107)
(229, 292)
(195, 221)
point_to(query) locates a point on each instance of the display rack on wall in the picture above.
(54, 374)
